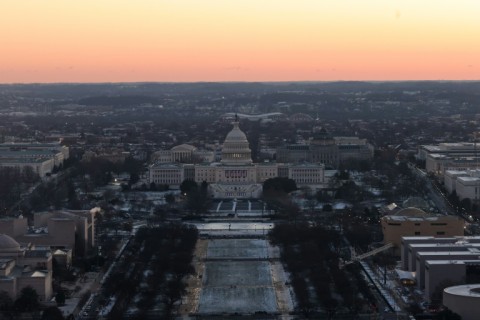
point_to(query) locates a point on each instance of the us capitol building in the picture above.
(235, 176)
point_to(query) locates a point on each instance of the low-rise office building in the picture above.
(465, 183)
(40, 166)
(423, 257)
(416, 222)
(42, 158)
(437, 262)
(60, 152)
(450, 179)
(441, 273)
(453, 149)
(410, 246)
(440, 163)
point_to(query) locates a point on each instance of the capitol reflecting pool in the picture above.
(234, 228)
(237, 272)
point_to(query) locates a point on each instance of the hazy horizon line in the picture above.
(238, 81)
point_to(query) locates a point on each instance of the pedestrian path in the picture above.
(387, 296)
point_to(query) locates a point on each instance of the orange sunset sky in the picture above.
(241, 40)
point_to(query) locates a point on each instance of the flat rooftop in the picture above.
(452, 261)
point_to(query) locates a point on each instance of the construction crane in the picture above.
(355, 258)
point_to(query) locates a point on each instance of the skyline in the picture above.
(191, 41)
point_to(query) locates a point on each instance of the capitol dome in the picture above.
(236, 150)
(236, 135)
(8, 244)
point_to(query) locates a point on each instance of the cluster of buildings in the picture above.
(41, 157)
(27, 252)
(231, 173)
(458, 164)
(114, 155)
(326, 149)
(465, 183)
(235, 175)
(436, 257)
(25, 266)
(449, 156)
(72, 230)
(436, 263)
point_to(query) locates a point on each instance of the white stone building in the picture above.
(40, 166)
(450, 179)
(236, 176)
(183, 153)
(353, 148)
(326, 149)
(439, 260)
(464, 300)
(449, 156)
(171, 174)
(466, 184)
(41, 157)
(468, 188)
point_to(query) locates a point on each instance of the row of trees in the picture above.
(56, 194)
(166, 252)
(62, 191)
(27, 302)
(310, 254)
(14, 182)
(466, 204)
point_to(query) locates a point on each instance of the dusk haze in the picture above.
(248, 40)
(247, 159)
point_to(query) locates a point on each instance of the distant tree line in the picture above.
(118, 101)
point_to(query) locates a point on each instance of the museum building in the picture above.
(22, 267)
